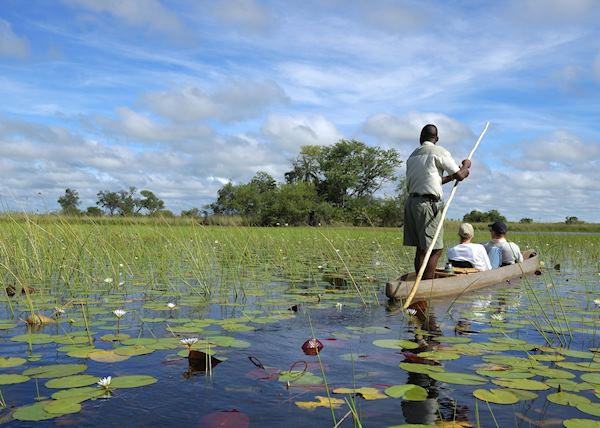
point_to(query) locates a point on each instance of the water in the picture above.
(238, 391)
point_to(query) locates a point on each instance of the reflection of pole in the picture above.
(415, 287)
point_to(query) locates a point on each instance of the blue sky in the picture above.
(181, 96)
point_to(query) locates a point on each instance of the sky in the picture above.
(182, 96)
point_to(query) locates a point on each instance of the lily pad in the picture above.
(440, 355)
(297, 377)
(568, 385)
(497, 396)
(451, 339)
(139, 341)
(366, 392)
(6, 362)
(395, 344)
(9, 379)
(34, 338)
(227, 341)
(107, 356)
(527, 384)
(583, 367)
(567, 399)
(576, 354)
(61, 407)
(581, 423)
(591, 378)
(523, 395)
(590, 408)
(55, 370)
(133, 381)
(458, 378)
(134, 350)
(505, 374)
(114, 337)
(552, 373)
(79, 394)
(408, 392)
(321, 402)
(74, 381)
(33, 413)
(421, 368)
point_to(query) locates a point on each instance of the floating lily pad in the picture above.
(79, 394)
(6, 362)
(33, 413)
(567, 399)
(34, 338)
(581, 423)
(61, 407)
(552, 373)
(395, 344)
(527, 384)
(107, 356)
(70, 340)
(523, 395)
(139, 341)
(497, 396)
(593, 378)
(507, 340)
(9, 379)
(583, 367)
(134, 350)
(440, 355)
(55, 370)
(458, 378)
(568, 385)
(297, 377)
(114, 337)
(321, 402)
(132, 381)
(590, 408)
(451, 339)
(74, 381)
(548, 357)
(80, 351)
(408, 392)
(505, 374)
(366, 392)
(421, 368)
(227, 341)
(7, 325)
(576, 354)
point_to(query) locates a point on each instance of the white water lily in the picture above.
(108, 280)
(597, 302)
(411, 311)
(104, 382)
(119, 313)
(338, 306)
(58, 311)
(189, 341)
(171, 305)
(497, 317)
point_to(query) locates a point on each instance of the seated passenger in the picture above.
(466, 251)
(511, 253)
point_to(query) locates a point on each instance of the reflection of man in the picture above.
(425, 170)
(511, 253)
(475, 255)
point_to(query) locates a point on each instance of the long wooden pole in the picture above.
(413, 291)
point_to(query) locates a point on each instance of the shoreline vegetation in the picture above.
(239, 221)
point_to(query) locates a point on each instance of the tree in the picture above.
(348, 169)
(110, 201)
(69, 202)
(150, 202)
(192, 212)
(573, 220)
(93, 212)
(476, 216)
(128, 203)
(526, 220)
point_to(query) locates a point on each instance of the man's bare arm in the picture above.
(459, 175)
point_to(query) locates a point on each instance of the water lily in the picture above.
(189, 341)
(58, 311)
(171, 305)
(119, 313)
(108, 280)
(338, 306)
(411, 311)
(597, 302)
(104, 382)
(497, 317)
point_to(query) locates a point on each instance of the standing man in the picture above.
(425, 170)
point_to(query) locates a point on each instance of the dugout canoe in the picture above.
(463, 280)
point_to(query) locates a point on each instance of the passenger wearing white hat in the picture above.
(466, 253)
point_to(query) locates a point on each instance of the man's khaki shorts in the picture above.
(421, 219)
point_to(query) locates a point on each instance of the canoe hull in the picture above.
(458, 284)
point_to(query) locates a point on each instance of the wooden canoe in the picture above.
(462, 280)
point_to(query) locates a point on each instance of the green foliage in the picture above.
(526, 220)
(93, 212)
(476, 216)
(573, 220)
(69, 202)
(127, 203)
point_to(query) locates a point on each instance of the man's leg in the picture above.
(431, 264)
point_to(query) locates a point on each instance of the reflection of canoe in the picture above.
(461, 281)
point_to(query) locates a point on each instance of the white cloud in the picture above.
(403, 132)
(554, 11)
(140, 13)
(291, 132)
(239, 100)
(561, 148)
(12, 45)
(244, 14)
